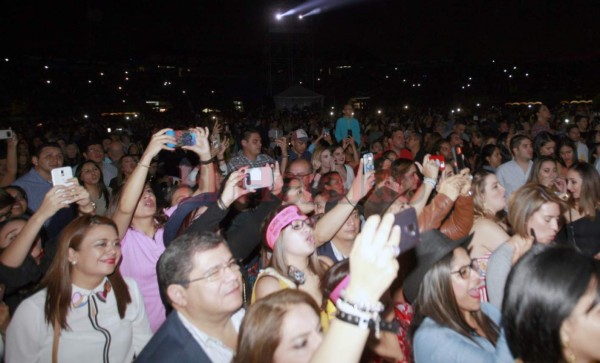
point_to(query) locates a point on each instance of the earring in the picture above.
(74, 262)
(568, 353)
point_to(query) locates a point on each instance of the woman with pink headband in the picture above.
(294, 263)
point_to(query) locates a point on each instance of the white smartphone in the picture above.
(6, 134)
(258, 178)
(61, 176)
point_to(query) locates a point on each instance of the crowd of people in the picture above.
(280, 240)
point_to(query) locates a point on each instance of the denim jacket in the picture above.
(435, 343)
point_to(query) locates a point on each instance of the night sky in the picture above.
(389, 30)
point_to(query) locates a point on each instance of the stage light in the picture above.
(300, 17)
(379, 112)
(458, 109)
(479, 105)
(85, 116)
(406, 107)
(278, 16)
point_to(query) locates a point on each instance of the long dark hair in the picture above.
(541, 292)
(103, 190)
(436, 300)
(58, 279)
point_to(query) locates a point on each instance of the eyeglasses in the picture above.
(465, 271)
(216, 273)
(298, 224)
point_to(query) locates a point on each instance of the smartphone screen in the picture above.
(368, 163)
(183, 138)
(409, 229)
(459, 159)
(258, 178)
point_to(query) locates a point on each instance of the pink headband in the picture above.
(280, 221)
(335, 294)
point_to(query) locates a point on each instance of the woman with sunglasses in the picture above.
(450, 323)
(294, 262)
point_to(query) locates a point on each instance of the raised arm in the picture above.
(207, 169)
(430, 171)
(333, 220)
(135, 183)
(373, 267)
(14, 255)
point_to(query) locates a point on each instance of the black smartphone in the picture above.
(409, 229)
(349, 133)
(459, 159)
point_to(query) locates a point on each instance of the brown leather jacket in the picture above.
(454, 219)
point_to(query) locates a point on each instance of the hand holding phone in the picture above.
(459, 159)
(409, 229)
(368, 163)
(6, 134)
(182, 137)
(258, 178)
(440, 161)
(61, 176)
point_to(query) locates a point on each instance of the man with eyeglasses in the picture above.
(202, 282)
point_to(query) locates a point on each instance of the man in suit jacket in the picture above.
(202, 282)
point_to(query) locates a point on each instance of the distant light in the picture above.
(470, 78)
(404, 80)
(468, 85)
(300, 82)
(127, 78)
(212, 91)
(452, 111)
(510, 76)
(396, 68)
(300, 17)
(126, 117)
(183, 91)
(526, 74)
(379, 112)
(318, 79)
(85, 116)
(493, 61)
(120, 87)
(567, 120)
(126, 72)
(478, 105)
(135, 115)
(515, 67)
(214, 117)
(45, 67)
(101, 73)
(123, 101)
(406, 107)
(528, 106)
(48, 81)
(386, 77)
(89, 81)
(6, 59)
(458, 109)
(418, 85)
(505, 70)
(413, 85)
(333, 108)
(331, 113)
(463, 87)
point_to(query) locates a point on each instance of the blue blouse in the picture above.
(435, 343)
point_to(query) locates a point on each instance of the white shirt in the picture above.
(214, 348)
(29, 337)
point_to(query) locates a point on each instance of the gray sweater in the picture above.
(498, 269)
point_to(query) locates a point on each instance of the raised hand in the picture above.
(202, 147)
(373, 263)
(157, 143)
(232, 189)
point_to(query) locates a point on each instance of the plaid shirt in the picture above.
(240, 160)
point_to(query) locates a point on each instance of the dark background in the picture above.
(391, 30)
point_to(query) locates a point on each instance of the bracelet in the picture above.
(93, 208)
(352, 204)
(430, 181)
(220, 204)
(360, 306)
(207, 162)
(387, 326)
(144, 165)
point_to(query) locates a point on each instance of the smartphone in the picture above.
(459, 159)
(215, 142)
(182, 137)
(368, 163)
(6, 134)
(349, 133)
(409, 229)
(325, 132)
(257, 178)
(440, 161)
(61, 176)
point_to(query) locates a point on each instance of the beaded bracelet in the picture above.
(361, 306)
(430, 181)
(391, 327)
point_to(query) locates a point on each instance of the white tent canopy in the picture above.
(297, 96)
